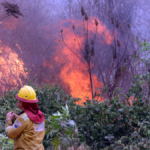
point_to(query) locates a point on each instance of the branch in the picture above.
(95, 34)
(111, 70)
(123, 53)
(100, 72)
(94, 43)
(78, 42)
(114, 59)
(72, 51)
(87, 31)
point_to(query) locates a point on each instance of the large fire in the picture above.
(73, 71)
(12, 69)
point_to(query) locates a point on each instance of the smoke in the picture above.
(36, 37)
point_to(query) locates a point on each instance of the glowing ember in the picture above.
(131, 98)
(12, 69)
(73, 72)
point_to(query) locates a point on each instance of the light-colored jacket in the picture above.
(27, 135)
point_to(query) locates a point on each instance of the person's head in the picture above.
(27, 101)
(20, 105)
(26, 95)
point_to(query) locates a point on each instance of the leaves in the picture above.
(109, 124)
(12, 9)
(5, 142)
(62, 129)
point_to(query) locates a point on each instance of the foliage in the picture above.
(7, 103)
(61, 130)
(5, 143)
(51, 99)
(102, 123)
(144, 50)
(110, 124)
(12, 9)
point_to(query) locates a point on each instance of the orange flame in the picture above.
(131, 98)
(73, 72)
(12, 69)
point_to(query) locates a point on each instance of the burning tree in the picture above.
(120, 64)
(88, 50)
(12, 69)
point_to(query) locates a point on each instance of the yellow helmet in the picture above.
(27, 94)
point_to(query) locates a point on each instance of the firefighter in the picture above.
(28, 129)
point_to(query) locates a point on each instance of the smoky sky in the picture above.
(38, 32)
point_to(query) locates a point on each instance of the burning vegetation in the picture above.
(77, 57)
(12, 69)
(88, 60)
(92, 61)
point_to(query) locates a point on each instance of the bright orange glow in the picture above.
(73, 72)
(12, 69)
(131, 98)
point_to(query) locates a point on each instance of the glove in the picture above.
(11, 115)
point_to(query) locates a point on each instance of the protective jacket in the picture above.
(27, 135)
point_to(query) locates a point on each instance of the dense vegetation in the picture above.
(99, 125)
(113, 124)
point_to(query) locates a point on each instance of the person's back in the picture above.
(27, 134)
(28, 129)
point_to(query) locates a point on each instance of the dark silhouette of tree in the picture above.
(12, 9)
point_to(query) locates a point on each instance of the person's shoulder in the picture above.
(24, 116)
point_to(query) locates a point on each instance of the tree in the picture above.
(11, 10)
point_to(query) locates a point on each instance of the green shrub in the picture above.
(7, 103)
(51, 99)
(61, 130)
(110, 124)
(6, 143)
